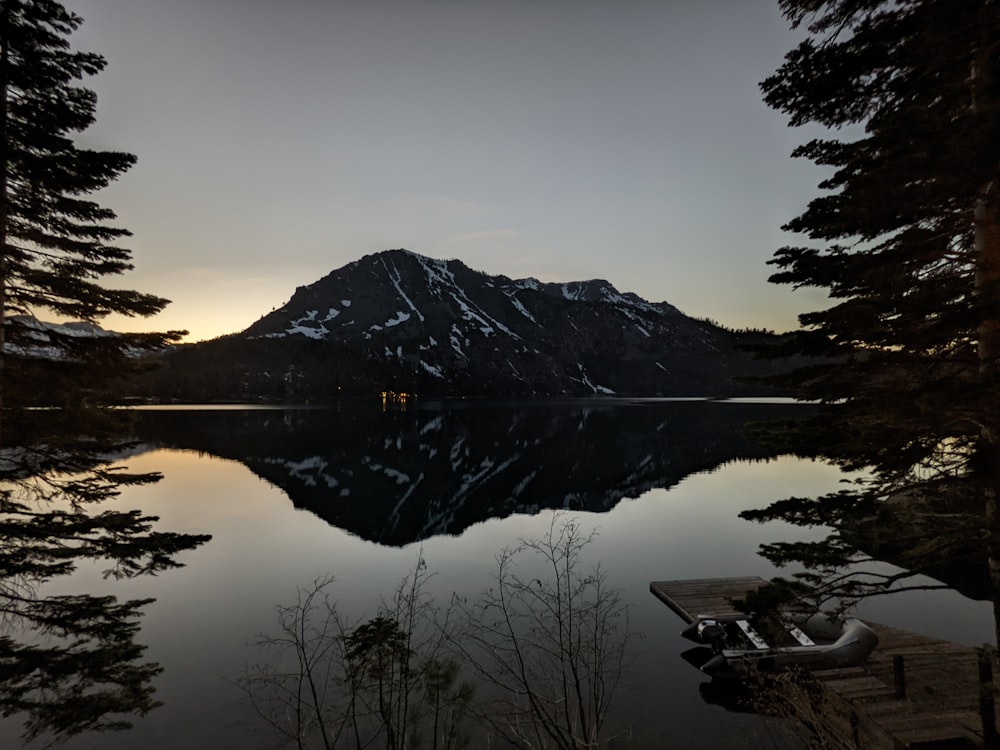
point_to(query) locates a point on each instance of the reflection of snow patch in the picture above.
(399, 476)
(394, 515)
(516, 492)
(487, 471)
(432, 426)
(456, 449)
(309, 470)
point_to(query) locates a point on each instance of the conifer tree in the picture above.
(68, 663)
(905, 240)
(56, 244)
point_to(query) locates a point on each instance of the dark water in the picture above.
(290, 495)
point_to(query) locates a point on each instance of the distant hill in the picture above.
(404, 322)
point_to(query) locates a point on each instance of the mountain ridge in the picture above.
(397, 320)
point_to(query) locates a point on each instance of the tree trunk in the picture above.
(987, 237)
(986, 220)
(4, 86)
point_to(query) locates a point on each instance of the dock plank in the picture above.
(860, 703)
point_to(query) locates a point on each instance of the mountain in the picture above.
(29, 337)
(400, 476)
(404, 322)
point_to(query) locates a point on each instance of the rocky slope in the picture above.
(400, 321)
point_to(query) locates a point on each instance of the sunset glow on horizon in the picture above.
(564, 141)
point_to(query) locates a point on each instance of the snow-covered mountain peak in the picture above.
(459, 330)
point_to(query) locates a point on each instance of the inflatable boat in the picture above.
(817, 641)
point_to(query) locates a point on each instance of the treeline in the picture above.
(299, 370)
(239, 369)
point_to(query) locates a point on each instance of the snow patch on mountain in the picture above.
(306, 326)
(395, 278)
(433, 325)
(399, 317)
(432, 369)
(519, 306)
(585, 379)
(455, 339)
(40, 337)
(41, 330)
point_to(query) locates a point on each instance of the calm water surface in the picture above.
(292, 495)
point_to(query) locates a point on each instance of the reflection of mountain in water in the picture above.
(400, 476)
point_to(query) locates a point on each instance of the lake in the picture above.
(293, 494)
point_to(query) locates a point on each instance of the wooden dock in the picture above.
(913, 693)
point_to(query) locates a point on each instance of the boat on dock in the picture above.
(732, 642)
(912, 692)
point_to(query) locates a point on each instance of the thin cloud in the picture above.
(222, 276)
(445, 205)
(483, 236)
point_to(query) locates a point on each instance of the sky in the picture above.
(560, 139)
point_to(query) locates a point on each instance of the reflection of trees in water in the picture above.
(549, 649)
(917, 530)
(546, 653)
(70, 663)
(940, 538)
(388, 680)
(790, 695)
(67, 662)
